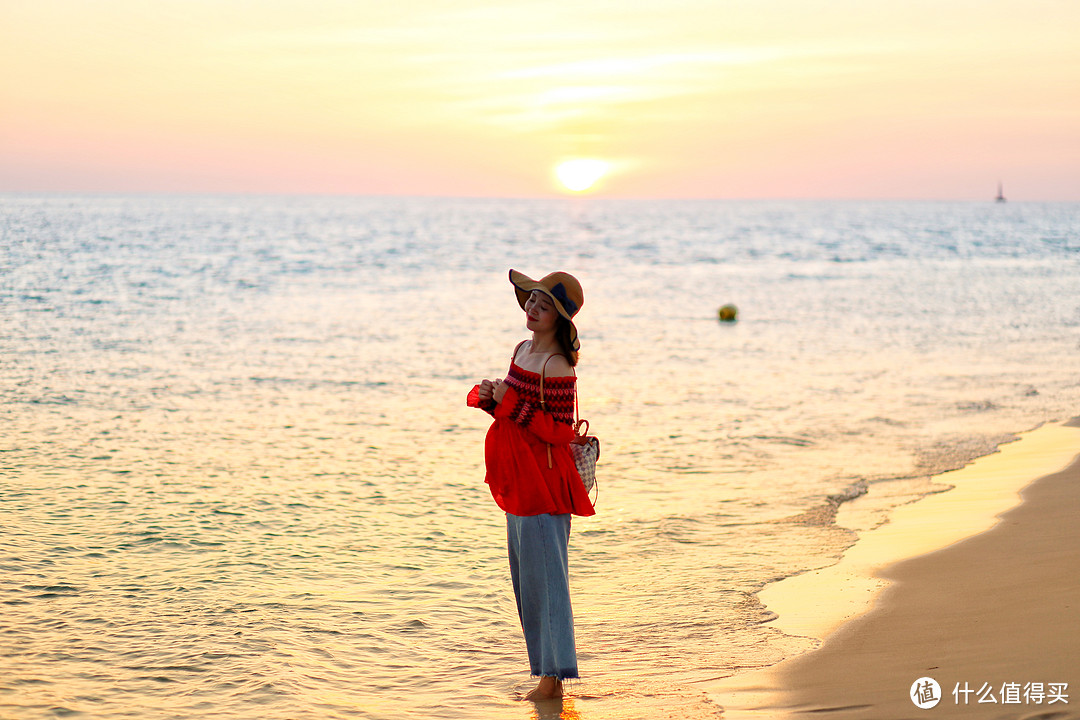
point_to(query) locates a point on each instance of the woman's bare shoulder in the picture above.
(521, 351)
(558, 366)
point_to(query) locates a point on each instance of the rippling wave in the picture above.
(239, 478)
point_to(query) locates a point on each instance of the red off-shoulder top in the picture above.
(516, 448)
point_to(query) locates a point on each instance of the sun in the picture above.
(580, 175)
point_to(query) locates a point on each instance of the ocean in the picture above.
(238, 478)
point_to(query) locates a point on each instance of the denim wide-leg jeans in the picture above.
(537, 546)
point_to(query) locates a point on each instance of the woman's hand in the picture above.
(492, 390)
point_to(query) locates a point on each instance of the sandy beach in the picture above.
(992, 615)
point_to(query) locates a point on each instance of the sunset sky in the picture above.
(704, 98)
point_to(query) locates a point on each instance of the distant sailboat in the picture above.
(1000, 196)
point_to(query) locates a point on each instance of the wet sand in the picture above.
(995, 610)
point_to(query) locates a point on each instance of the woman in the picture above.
(531, 472)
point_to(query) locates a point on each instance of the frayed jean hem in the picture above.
(558, 674)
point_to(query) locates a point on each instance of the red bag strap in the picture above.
(543, 367)
(543, 404)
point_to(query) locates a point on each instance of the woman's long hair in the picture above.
(562, 334)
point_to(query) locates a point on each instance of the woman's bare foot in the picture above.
(549, 688)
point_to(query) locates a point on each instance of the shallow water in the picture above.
(239, 478)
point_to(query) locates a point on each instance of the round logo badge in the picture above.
(925, 693)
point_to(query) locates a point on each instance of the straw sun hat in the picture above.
(563, 289)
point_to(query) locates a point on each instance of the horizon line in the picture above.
(580, 197)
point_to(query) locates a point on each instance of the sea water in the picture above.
(238, 478)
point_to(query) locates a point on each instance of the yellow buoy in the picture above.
(728, 313)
